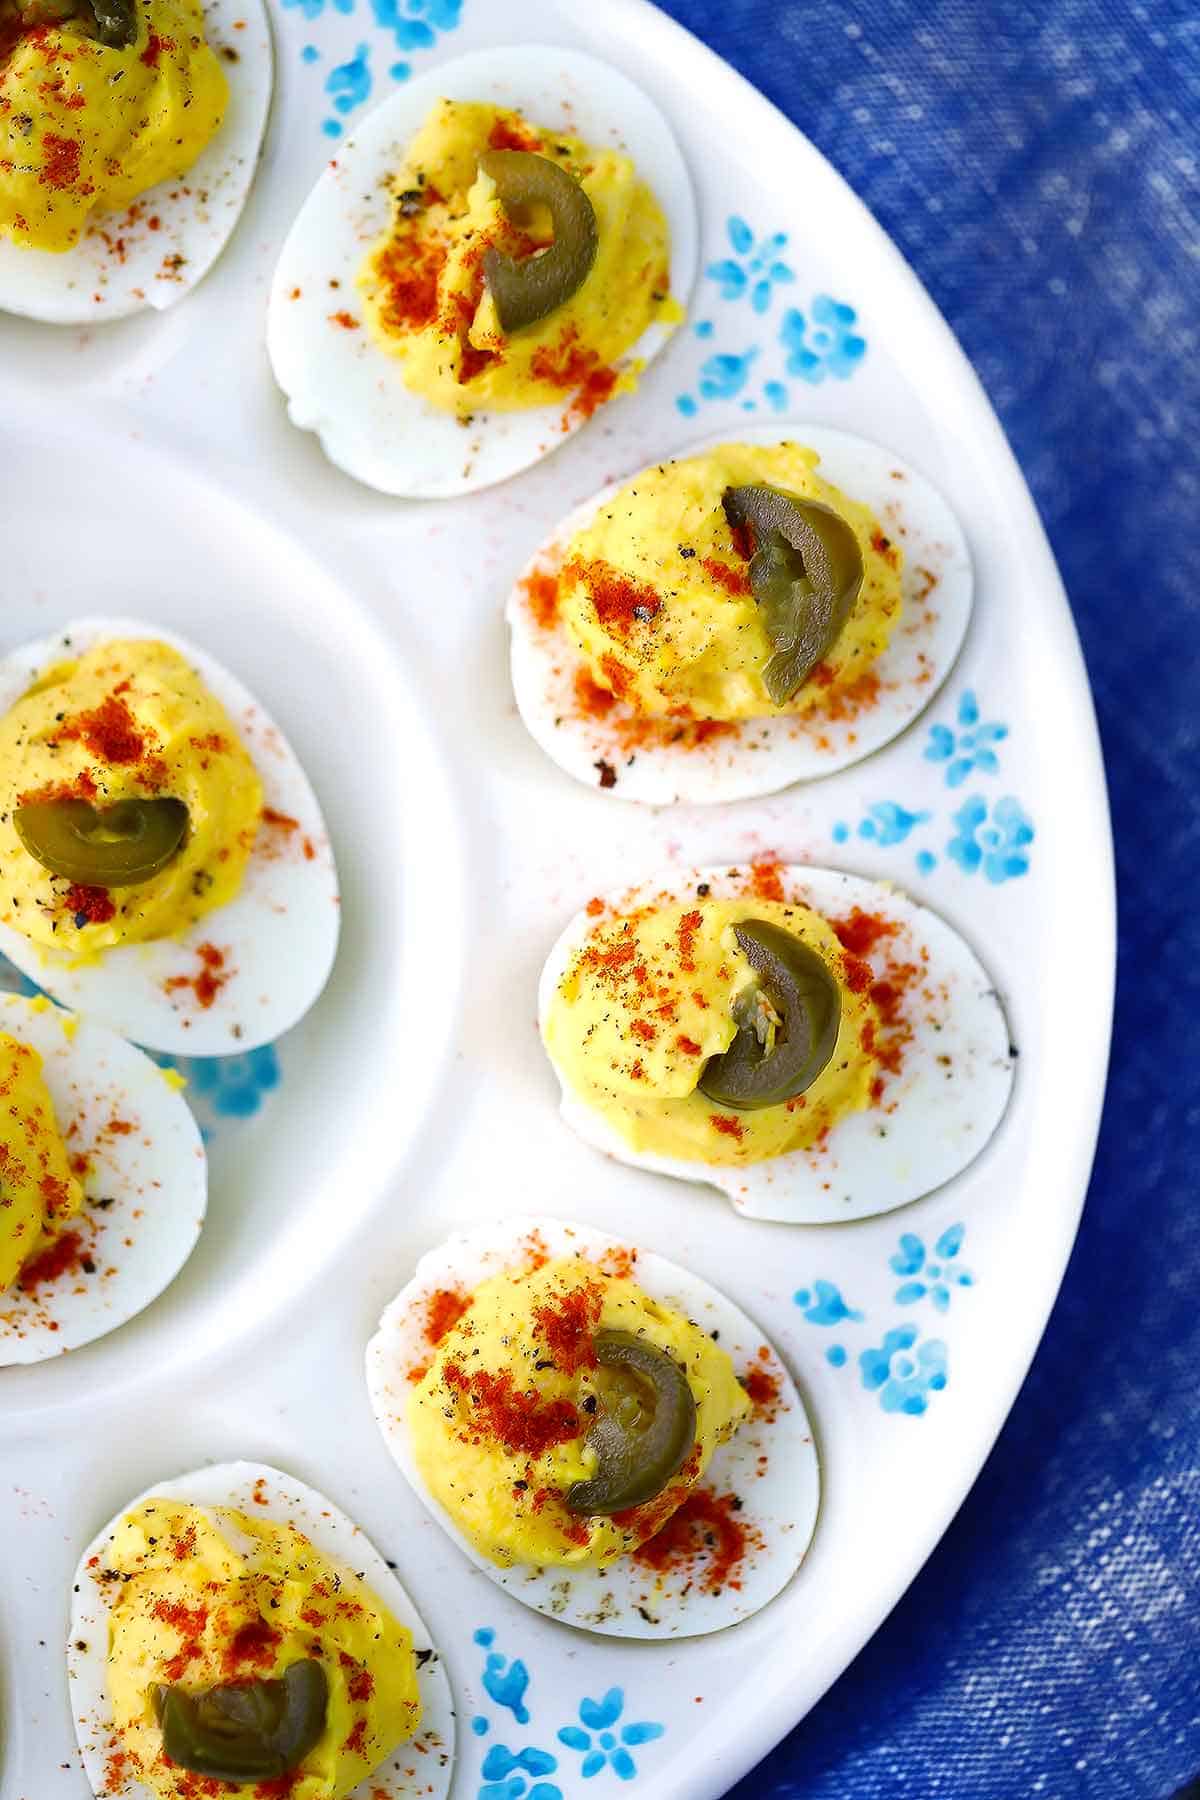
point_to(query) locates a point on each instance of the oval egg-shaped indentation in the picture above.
(765, 1477)
(344, 385)
(934, 1110)
(153, 252)
(426, 1765)
(661, 760)
(139, 1157)
(244, 973)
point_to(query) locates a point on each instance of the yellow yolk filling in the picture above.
(128, 720)
(211, 1597)
(648, 998)
(499, 1419)
(38, 1191)
(86, 129)
(655, 594)
(423, 287)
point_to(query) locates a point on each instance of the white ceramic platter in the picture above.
(152, 471)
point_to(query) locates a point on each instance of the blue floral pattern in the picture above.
(408, 24)
(902, 1380)
(599, 1745)
(756, 267)
(994, 840)
(823, 343)
(970, 749)
(598, 1736)
(937, 1279)
(822, 1304)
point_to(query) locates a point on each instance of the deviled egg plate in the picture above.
(233, 1632)
(761, 610)
(129, 135)
(603, 1433)
(816, 1045)
(166, 866)
(103, 1180)
(496, 252)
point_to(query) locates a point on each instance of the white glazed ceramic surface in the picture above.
(152, 471)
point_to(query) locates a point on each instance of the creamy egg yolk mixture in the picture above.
(38, 1191)
(499, 1419)
(206, 1598)
(423, 285)
(86, 128)
(127, 720)
(648, 998)
(655, 591)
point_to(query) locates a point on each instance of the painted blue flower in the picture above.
(415, 24)
(998, 845)
(827, 345)
(350, 82)
(822, 1304)
(937, 1279)
(227, 1087)
(970, 747)
(599, 1745)
(722, 377)
(887, 823)
(505, 1772)
(903, 1381)
(506, 1683)
(756, 267)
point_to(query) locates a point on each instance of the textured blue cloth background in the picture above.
(1039, 166)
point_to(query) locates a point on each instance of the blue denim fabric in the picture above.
(1039, 166)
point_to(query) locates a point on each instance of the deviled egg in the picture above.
(498, 250)
(103, 1180)
(604, 1434)
(232, 1626)
(129, 135)
(814, 1044)
(760, 611)
(166, 866)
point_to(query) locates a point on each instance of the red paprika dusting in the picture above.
(55, 1260)
(513, 134)
(860, 932)
(743, 540)
(643, 1029)
(155, 46)
(109, 731)
(568, 365)
(252, 1645)
(117, 1771)
(616, 675)
(409, 268)
(443, 1310)
(594, 701)
(594, 907)
(361, 1685)
(184, 1546)
(345, 319)
(83, 787)
(60, 167)
(734, 581)
(858, 974)
(280, 1787)
(728, 1125)
(688, 1045)
(541, 591)
(522, 1422)
(765, 879)
(281, 821)
(621, 603)
(55, 1195)
(761, 1387)
(119, 1127)
(703, 1528)
(89, 905)
(568, 1325)
(208, 980)
(356, 1743)
(689, 925)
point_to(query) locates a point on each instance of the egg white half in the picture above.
(146, 1184)
(279, 933)
(759, 756)
(123, 264)
(422, 1766)
(934, 1117)
(339, 382)
(770, 1463)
